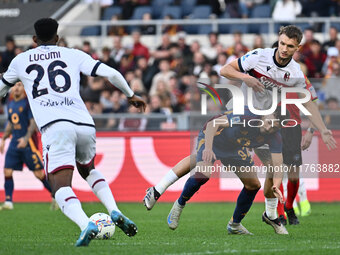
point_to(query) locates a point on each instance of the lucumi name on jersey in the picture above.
(44, 56)
(51, 78)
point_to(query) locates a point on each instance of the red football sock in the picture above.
(292, 189)
(280, 209)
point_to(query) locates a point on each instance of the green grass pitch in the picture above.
(34, 229)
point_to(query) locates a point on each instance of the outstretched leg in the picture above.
(180, 169)
(101, 189)
(70, 205)
(192, 185)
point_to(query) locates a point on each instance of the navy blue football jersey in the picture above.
(19, 115)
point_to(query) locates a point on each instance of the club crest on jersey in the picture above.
(236, 119)
(286, 77)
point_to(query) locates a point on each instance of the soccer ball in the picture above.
(105, 225)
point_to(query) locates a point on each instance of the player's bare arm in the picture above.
(119, 82)
(317, 121)
(210, 132)
(22, 141)
(7, 133)
(232, 71)
(307, 138)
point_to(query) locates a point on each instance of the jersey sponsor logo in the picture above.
(270, 83)
(49, 103)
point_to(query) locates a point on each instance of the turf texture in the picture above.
(34, 229)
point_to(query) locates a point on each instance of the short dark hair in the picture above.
(333, 27)
(9, 38)
(314, 41)
(214, 33)
(292, 32)
(45, 29)
(332, 99)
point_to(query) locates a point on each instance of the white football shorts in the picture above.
(64, 143)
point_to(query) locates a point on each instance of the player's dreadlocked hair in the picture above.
(292, 32)
(45, 29)
(278, 115)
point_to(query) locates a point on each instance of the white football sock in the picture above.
(71, 207)
(166, 181)
(102, 190)
(295, 204)
(302, 190)
(271, 205)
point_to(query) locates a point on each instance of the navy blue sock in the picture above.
(46, 185)
(244, 202)
(9, 187)
(192, 185)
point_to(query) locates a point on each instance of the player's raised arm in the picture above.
(317, 121)
(118, 81)
(235, 70)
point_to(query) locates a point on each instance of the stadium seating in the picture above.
(303, 26)
(204, 29)
(224, 28)
(174, 11)
(260, 11)
(138, 15)
(336, 25)
(187, 6)
(140, 11)
(158, 7)
(90, 31)
(110, 11)
(243, 28)
(199, 12)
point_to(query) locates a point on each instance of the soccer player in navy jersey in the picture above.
(23, 147)
(226, 138)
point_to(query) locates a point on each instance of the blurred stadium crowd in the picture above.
(163, 76)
